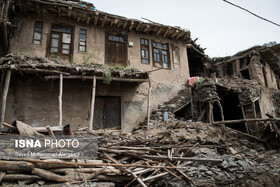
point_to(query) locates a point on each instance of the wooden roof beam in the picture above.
(79, 17)
(96, 18)
(159, 30)
(103, 21)
(166, 32)
(119, 24)
(125, 23)
(131, 25)
(114, 21)
(147, 28)
(179, 35)
(138, 26)
(174, 34)
(59, 12)
(69, 11)
(88, 19)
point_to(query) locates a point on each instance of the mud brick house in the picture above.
(68, 49)
(243, 86)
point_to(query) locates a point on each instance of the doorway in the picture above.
(107, 112)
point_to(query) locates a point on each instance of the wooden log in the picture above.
(92, 103)
(155, 176)
(108, 170)
(15, 166)
(47, 164)
(44, 174)
(153, 157)
(50, 132)
(9, 126)
(19, 177)
(43, 71)
(149, 103)
(60, 98)
(127, 171)
(4, 97)
(244, 120)
(2, 174)
(181, 172)
(246, 124)
(97, 78)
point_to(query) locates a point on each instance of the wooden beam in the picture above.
(97, 78)
(88, 19)
(79, 17)
(246, 124)
(154, 157)
(125, 23)
(131, 25)
(138, 26)
(38, 8)
(119, 23)
(174, 34)
(146, 28)
(59, 11)
(96, 18)
(92, 103)
(4, 97)
(43, 71)
(60, 98)
(159, 30)
(103, 21)
(149, 103)
(69, 11)
(166, 32)
(50, 132)
(244, 120)
(179, 35)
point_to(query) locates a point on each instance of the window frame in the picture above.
(85, 46)
(160, 54)
(60, 42)
(41, 33)
(145, 48)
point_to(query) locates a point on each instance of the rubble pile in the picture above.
(175, 153)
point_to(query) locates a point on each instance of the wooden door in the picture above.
(107, 112)
(116, 50)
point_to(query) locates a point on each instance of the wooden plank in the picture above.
(97, 78)
(155, 176)
(149, 103)
(50, 132)
(15, 166)
(127, 171)
(44, 174)
(60, 98)
(154, 157)
(92, 103)
(245, 120)
(4, 97)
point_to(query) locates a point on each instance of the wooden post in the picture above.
(4, 97)
(246, 124)
(92, 103)
(60, 98)
(190, 91)
(221, 109)
(149, 103)
(255, 116)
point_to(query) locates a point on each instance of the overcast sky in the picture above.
(220, 27)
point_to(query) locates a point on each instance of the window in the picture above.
(161, 54)
(38, 29)
(145, 57)
(83, 40)
(61, 40)
(116, 49)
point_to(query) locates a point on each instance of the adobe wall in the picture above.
(35, 101)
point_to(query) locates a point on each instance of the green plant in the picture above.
(107, 76)
(199, 82)
(132, 69)
(117, 67)
(86, 59)
(54, 57)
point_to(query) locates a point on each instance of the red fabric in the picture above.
(192, 80)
